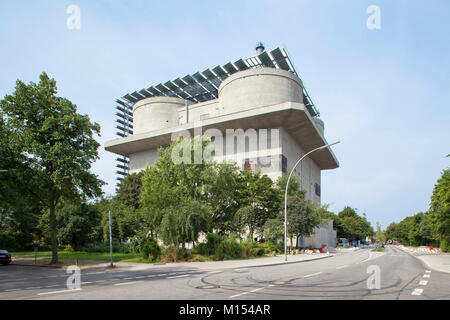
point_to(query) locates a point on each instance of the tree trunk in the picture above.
(53, 232)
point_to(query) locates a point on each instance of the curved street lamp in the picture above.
(285, 193)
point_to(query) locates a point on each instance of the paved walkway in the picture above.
(204, 266)
(228, 264)
(433, 259)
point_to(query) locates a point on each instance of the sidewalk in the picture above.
(227, 264)
(438, 261)
(201, 266)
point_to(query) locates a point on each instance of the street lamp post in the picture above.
(285, 193)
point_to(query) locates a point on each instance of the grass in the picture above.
(82, 255)
(378, 250)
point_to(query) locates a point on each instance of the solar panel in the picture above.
(220, 73)
(240, 64)
(230, 68)
(211, 77)
(265, 59)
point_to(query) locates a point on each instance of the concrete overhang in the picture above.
(292, 117)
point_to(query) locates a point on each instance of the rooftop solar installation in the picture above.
(202, 86)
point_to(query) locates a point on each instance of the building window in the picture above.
(283, 164)
(317, 189)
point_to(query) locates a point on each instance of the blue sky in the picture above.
(383, 93)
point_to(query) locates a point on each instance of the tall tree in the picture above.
(440, 210)
(53, 147)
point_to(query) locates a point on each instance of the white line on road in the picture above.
(312, 275)
(125, 283)
(61, 291)
(417, 292)
(426, 275)
(247, 292)
(180, 276)
(141, 277)
(342, 267)
(427, 271)
(423, 282)
(211, 272)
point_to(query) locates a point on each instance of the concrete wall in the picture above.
(156, 113)
(307, 170)
(323, 235)
(259, 87)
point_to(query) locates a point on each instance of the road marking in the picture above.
(152, 275)
(100, 281)
(55, 285)
(180, 276)
(139, 277)
(417, 292)
(312, 275)
(61, 291)
(31, 288)
(247, 292)
(86, 282)
(426, 275)
(128, 278)
(427, 271)
(211, 272)
(125, 283)
(9, 290)
(342, 267)
(423, 282)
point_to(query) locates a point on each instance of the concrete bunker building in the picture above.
(263, 93)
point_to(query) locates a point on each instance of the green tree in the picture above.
(52, 147)
(273, 231)
(440, 210)
(184, 223)
(379, 234)
(129, 192)
(301, 216)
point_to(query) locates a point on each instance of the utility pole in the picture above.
(110, 240)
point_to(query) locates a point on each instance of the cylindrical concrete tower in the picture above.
(258, 88)
(156, 113)
(319, 123)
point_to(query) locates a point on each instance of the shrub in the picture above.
(151, 248)
(172, 254)
(68, 248)
(229, 249)
(252, 248)
(201, 248)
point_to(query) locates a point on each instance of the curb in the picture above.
(37, 265)
(424, 263)
(284, 262)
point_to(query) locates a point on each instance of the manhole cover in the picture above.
(208, 286)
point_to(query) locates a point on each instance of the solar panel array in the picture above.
(199, 87)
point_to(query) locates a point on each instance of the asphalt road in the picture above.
(343, 276)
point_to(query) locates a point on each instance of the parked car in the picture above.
(5, 257)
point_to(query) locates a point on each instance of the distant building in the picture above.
(262, 95)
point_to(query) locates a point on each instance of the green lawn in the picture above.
(81, 255)
(378, 250)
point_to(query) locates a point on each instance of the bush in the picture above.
(172, 254)
(151, 248)
(229, 249)
(68, 248)
(200, 248)
(253, 249)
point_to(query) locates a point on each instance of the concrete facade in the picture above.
(323, 236)
(254, 103)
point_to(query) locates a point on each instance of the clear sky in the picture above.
(385, 93)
